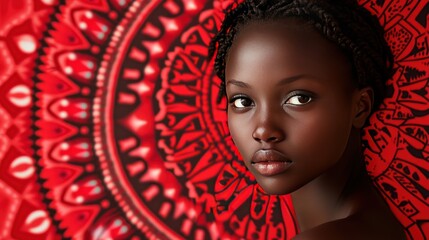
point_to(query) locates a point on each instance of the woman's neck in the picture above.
(334, 195)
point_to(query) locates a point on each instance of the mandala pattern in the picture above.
(110, 128)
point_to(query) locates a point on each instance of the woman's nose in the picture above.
(268, 131)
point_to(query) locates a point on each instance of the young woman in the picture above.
(301, 78)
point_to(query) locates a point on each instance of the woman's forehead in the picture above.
(278, 50)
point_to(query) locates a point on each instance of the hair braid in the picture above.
(352, 28)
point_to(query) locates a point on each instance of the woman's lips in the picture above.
(269, 162)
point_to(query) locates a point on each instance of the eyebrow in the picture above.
(284, 81)
(238, 83)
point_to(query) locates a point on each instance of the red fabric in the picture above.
(109, 125)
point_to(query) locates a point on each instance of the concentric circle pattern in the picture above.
(127, 139)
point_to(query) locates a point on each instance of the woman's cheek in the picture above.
(241, 132)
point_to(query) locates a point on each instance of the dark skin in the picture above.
(295, 115)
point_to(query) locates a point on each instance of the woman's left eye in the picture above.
(298, 100)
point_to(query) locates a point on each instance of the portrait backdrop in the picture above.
(110, 129)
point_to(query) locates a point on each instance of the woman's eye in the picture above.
(299, 100)
(241, 102)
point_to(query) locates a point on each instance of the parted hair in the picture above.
(344, 22)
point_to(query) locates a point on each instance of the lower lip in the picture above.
(271, 168)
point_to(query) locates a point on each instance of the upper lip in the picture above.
(269, 155)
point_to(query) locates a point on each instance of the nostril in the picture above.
(256, 139)
(272, 139)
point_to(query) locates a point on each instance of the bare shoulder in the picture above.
(354, 227)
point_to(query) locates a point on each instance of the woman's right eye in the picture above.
(241, 102)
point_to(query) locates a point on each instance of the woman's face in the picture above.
(291, 103)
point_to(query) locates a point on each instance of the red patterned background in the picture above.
(109, 128)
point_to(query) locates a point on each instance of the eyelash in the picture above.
(288, 98)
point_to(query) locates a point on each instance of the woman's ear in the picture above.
(364, 100)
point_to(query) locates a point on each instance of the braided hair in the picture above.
(351, 27)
